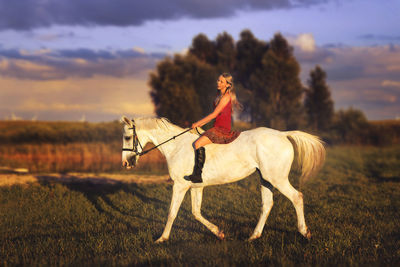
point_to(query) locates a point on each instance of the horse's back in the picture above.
(249, 143)
(241, 157)
(248, 140)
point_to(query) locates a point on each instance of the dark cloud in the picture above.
(346, 72)
(82, 53)
(86, 54)
(29, 14)
(379, 37)
(365, 78)
(54, 37)
(61, 64)
(164, 46)
(11, 54)
(318, 56)
(334, 45)
(345, 63)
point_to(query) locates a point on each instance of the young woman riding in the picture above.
(221, 132)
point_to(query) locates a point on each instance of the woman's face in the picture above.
(221, 83)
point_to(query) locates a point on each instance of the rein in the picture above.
(148, 150)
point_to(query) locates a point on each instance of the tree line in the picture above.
(267, 82)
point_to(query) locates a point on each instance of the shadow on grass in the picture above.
(98, 189)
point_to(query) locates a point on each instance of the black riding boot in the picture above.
(199, 159)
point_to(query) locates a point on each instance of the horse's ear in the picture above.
(127, 121)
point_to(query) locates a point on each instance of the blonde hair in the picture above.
(235, 103)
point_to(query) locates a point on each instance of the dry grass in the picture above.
(75, 157)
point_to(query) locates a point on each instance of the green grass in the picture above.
(351, 207)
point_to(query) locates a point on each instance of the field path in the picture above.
(99, 178)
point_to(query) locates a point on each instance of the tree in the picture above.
(249, 54)
(203, 49)
(181, 89)
(278, 88)
(351, 125)
(318, 103)
(225, 53)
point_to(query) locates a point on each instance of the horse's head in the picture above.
(131, 146)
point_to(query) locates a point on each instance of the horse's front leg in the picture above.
(197, 196)
(178, 193)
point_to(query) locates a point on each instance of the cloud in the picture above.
(306, 42)
(14, 117)
(352, 63)
(306, 50)
(380, 37)
(366, 77)
(100, 98)
(29, 14)
(388, 83)
(140, 50)
(54, 36)
(63, 64)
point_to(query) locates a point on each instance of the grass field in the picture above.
(352, 208)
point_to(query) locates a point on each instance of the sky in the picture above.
(90, 60)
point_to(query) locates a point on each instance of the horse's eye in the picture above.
(127, 138)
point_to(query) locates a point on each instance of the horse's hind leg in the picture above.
(284, 186)
(197, 196)
(267, 203)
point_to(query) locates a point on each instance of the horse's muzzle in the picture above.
(130, 161)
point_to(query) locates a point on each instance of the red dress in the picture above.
(221, 132)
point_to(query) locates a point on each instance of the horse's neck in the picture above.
(158, 136)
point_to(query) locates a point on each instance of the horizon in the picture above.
(153, 116)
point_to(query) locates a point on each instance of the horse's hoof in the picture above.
(308, 234)
(253, 237)
(221, 235)
(160, 240)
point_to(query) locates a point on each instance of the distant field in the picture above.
(75, 157)
(29, 132)
(352, 208)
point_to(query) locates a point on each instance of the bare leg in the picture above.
(267, 203)
(202, 141)
(178, 193)
(197, 196)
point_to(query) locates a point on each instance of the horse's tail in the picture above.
(310, 151)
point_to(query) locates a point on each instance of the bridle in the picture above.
(136, 141)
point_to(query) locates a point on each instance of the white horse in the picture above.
(270, 151)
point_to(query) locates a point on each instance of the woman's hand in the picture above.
(196, 124)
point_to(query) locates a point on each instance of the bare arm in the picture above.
(221, 105)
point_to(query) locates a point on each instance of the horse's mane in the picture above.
(153, 123)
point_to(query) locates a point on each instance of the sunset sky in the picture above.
(90, 59)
